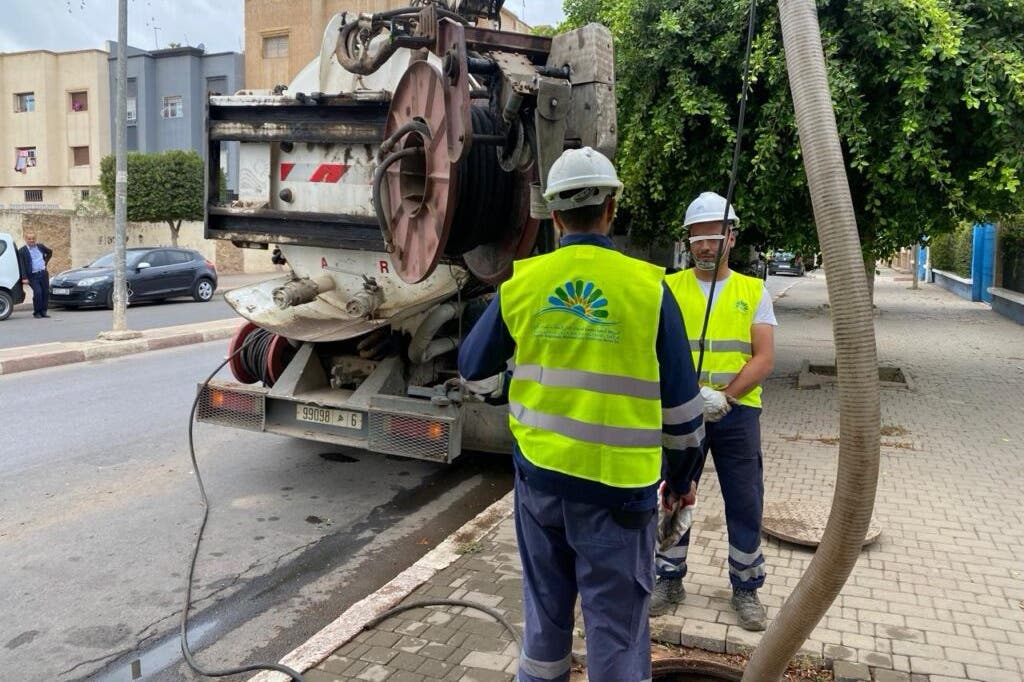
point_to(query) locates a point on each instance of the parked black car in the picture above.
(153, 274)
(784, 262)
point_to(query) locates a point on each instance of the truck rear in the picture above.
(400, 174)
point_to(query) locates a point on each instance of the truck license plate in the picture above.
(61, 292)
(323, 415)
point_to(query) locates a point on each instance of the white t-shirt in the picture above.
(765, 313)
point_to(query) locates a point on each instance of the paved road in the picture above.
(98, 509)
(779, 284)
(21, 329)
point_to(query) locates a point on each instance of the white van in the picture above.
(11, 291)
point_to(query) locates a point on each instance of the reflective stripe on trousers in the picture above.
(543, 670)
(735, 445)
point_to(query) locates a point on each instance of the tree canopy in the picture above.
(162, 187)
(929, 98)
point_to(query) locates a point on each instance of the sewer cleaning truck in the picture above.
(399, 174)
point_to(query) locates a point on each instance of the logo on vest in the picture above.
(584, 301)
(742, 306)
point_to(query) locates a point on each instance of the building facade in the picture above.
(283, 36)
(54, 127)
(167, 92)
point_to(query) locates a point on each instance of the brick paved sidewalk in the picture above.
(939, 597)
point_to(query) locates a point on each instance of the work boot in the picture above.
(748, 607)
(667, 593)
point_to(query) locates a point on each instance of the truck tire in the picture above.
(203, 290)
(6, 305)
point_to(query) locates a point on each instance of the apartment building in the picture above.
(282, 36)
(54, 127)
(167, 92)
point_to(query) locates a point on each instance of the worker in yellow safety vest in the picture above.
(602, 406)
(738, 355)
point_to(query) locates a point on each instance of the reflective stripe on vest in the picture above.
(721, 346)
(727, 347)
(585, 398)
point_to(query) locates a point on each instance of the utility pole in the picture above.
(120, 330)
(917, 263)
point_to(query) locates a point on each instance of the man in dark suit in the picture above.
(32, 258)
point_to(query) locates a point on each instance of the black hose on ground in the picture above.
(183, 629)
(493, 613)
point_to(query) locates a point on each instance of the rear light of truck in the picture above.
(235, 402)
(211, 266)
(228, 407)
(418, 437)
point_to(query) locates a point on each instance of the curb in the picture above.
(28, 358)
(350, 623)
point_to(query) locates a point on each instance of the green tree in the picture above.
(929, 98)
(164, 187)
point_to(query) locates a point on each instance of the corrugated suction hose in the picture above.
(856, 356)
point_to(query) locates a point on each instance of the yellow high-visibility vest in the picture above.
(585, 398)
(727, 347)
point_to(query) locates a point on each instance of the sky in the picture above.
(62, 25)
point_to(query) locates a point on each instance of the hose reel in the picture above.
(440, 190)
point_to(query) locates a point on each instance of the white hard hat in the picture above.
(581, 169)
(709, 207)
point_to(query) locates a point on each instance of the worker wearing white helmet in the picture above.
(738, 355)
(600, 404)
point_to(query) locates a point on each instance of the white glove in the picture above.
(716, 404)
(675, 516)
(485, 388)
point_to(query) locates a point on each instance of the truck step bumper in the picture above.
(394, 425)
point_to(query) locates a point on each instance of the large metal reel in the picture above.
(492, 262)
(421, 188)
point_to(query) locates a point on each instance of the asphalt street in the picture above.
(98, 510)
(21, 329)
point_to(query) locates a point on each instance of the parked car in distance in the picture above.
(11, 291)
(784, 262)
(153, 274)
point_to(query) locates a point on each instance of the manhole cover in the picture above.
(802, 522)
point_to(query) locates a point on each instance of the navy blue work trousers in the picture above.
(40, 284)
(569, 548)
(735, 445)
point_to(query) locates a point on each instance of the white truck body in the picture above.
(354, 346)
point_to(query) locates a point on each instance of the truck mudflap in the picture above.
(393, 425)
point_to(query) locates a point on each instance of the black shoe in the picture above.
(36, 315)
(667, 593)
(748, 608)
(44, 315)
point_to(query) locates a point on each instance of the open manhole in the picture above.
(688, 670)
(815, 376)
(802, 522)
